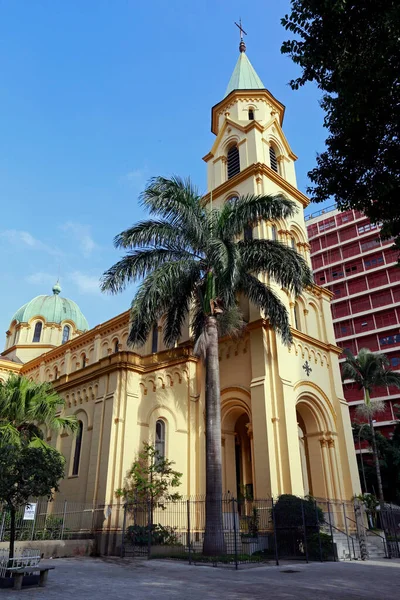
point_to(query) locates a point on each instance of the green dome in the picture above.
(53, 309)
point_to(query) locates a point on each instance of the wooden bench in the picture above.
(19, 572)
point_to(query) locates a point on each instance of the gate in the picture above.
(390, 523)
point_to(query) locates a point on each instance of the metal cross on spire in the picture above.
(242, 45)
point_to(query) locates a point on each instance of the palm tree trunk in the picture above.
(377, 465)
(214, 542)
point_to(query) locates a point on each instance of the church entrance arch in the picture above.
(237, 449)
(317, 448)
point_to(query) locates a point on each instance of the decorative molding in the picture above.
(255, 170)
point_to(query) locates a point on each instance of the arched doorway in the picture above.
(237, 451)
(317, 449)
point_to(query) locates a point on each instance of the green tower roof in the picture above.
(244, 76)
(53, 309)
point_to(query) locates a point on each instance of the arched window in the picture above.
(274, 233)
(248, 232)
(55, 372)
(116, 346)
(251, 114)
(297, 322)
(160, 438)
(78, 447)
(65, 335)
(233, 161)
(232, 199)
(293, 243)
(154, 339)
(83, 360)
(38, 332)
(273, 160)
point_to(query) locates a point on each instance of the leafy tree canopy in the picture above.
(28, 472)
(27, 405)
(151, 479)
(190, 259)
(351, 50)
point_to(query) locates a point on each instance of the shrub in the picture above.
(160, 535)
(288, 513)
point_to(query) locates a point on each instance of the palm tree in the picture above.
(369, 370)
(25, 406)
(191, 260)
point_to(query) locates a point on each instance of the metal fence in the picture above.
(44, 520)
(389, 521)
(254, 531)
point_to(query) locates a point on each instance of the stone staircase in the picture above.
(348, 547)
(375, 546)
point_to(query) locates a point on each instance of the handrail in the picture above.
(348, 535)
(385, 547)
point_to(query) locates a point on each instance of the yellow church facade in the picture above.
(285, 423)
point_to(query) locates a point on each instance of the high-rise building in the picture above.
(350, 259)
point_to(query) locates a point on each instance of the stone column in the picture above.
(327, 471)
(335, 475)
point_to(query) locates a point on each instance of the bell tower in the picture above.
(301, 438)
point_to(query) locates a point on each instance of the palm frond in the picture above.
(136, 265)
(248, 210)
(156, 295)
(263, 297)
(9, 435)
(150, 233)
(177, 201)
(283, 264)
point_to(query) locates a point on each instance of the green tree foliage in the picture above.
(27, 472)
(25, 406)
(151, 479)
(369, 370)
(191, 261)
(351, 50)
(388, 450)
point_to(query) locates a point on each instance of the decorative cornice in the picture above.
(299, 335)
(127, 361)
(254, 170)
(78, 342)
(244, 95)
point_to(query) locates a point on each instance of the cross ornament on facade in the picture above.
(307, 368)
(242, 31)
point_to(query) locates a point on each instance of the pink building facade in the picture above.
(350, 259)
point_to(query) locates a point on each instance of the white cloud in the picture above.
(18, 237)
(82, 282)
(82, 235)
(136, 177)
(40, 278)
(86, 284)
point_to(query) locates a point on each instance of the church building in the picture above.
(285, 423)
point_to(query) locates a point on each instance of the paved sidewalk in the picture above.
(112, 578)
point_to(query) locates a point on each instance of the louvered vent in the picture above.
(233, 161)
(272, 159)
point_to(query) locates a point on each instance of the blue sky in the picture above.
(96, 96)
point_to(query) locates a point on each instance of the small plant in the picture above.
(156, 534)
(253, 524)
(151, 479)
(371, 503)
